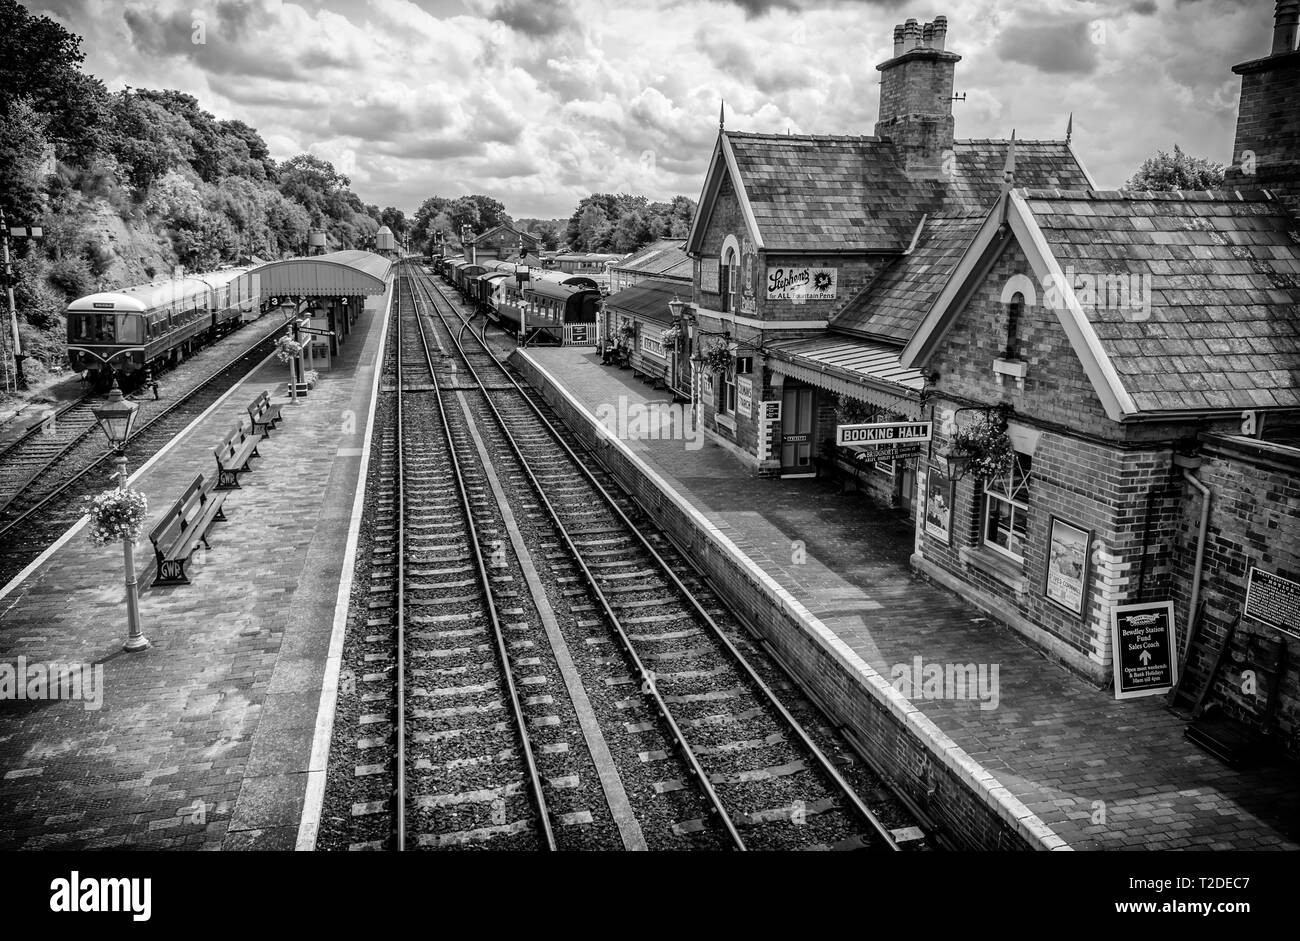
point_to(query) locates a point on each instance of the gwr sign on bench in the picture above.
(882, 433)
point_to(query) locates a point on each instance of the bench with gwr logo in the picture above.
(264, 415)
(183, 527)
(234, 455)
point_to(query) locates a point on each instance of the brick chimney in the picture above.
(1266, 153)
(916, 96)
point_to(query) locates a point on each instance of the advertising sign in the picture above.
(744, 396)
(939, 496)
(1067, 565)
(880, 433)
(809, 284)
(1142, 638)
(772, 411)
(709, 275)
(1274, 600)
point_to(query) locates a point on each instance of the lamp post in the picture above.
(115, 420)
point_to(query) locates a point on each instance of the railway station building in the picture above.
(1112, 378)
(501, 243)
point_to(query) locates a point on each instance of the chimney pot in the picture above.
(1285, 20)
(940, 32)
(898, 40)
(911, 35)
(927, 35)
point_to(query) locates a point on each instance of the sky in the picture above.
(542, 102)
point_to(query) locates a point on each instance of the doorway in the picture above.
(797, 418)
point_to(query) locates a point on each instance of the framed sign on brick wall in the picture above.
(709, 275)
(1065, 582)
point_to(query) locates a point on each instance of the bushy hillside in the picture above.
(128, 185)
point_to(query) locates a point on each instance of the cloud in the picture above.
(1054, 48)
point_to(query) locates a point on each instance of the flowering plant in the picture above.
(671, 335)
(312, 376)
(287, 348)
(626, 330)
(851, 411)
(117, 514)
(718, 358)
(989, 448)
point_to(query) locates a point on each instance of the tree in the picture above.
(395, 219)
(1176, 171)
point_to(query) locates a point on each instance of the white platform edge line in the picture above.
(314, 798)
(1009, 807)
(158, 455)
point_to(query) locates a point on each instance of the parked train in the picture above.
(151, 325)
(548, 307)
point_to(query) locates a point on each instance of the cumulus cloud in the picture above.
(543, 103)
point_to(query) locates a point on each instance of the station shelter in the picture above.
(331, 289)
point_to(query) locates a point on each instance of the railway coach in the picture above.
(544, 312)
(152, 325)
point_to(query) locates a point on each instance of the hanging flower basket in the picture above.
(287, 348)
(116, 515)
(987, 447)
(626, 331)
(851, 411)
(718, 359)
(671, 335)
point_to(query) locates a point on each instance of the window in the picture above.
(727, 391)
(1015, 310)
(730, 277)
(1006, 511)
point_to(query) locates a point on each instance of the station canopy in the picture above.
(348, 274)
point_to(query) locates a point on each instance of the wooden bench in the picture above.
(233, 456)
(183, 528)
(653, 373)
(263, 414)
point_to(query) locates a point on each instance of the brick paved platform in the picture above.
(1056, 752)
(203, 740)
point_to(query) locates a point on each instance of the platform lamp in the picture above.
(115, 419)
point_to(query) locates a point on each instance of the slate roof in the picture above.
(1223, 331)
(665, 258)
(856, 358)
(812, 193)
(648, 299)
(893, 305)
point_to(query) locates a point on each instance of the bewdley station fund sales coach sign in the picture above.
(1142, 637)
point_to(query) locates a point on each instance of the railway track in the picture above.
(50, 478)
(727, 763)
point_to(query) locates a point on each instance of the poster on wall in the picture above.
(709, 275)
(808, 284)
(1142, 640)
(744, 396)
(1066, 582)
(939, 495)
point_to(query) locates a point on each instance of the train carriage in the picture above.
(148, 325)
(545, 312)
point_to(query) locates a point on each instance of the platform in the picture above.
(205, 739)
(1063, 762)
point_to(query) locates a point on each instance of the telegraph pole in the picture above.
(20, 381)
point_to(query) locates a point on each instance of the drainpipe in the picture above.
(1200, 553)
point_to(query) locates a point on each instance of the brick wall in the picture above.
(1266, 153)
(1254, 521)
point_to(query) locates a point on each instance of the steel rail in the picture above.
(498, 633)
(95, 462)
(855, 803)
(399, 796)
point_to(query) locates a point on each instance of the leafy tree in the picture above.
(22, 142)
(395, 219)
(1176, 171)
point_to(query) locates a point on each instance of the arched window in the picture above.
(1015, 312)
(730, 276)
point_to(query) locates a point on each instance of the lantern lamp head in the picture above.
(116, 417)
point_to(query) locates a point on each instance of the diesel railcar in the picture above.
(151, 325)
